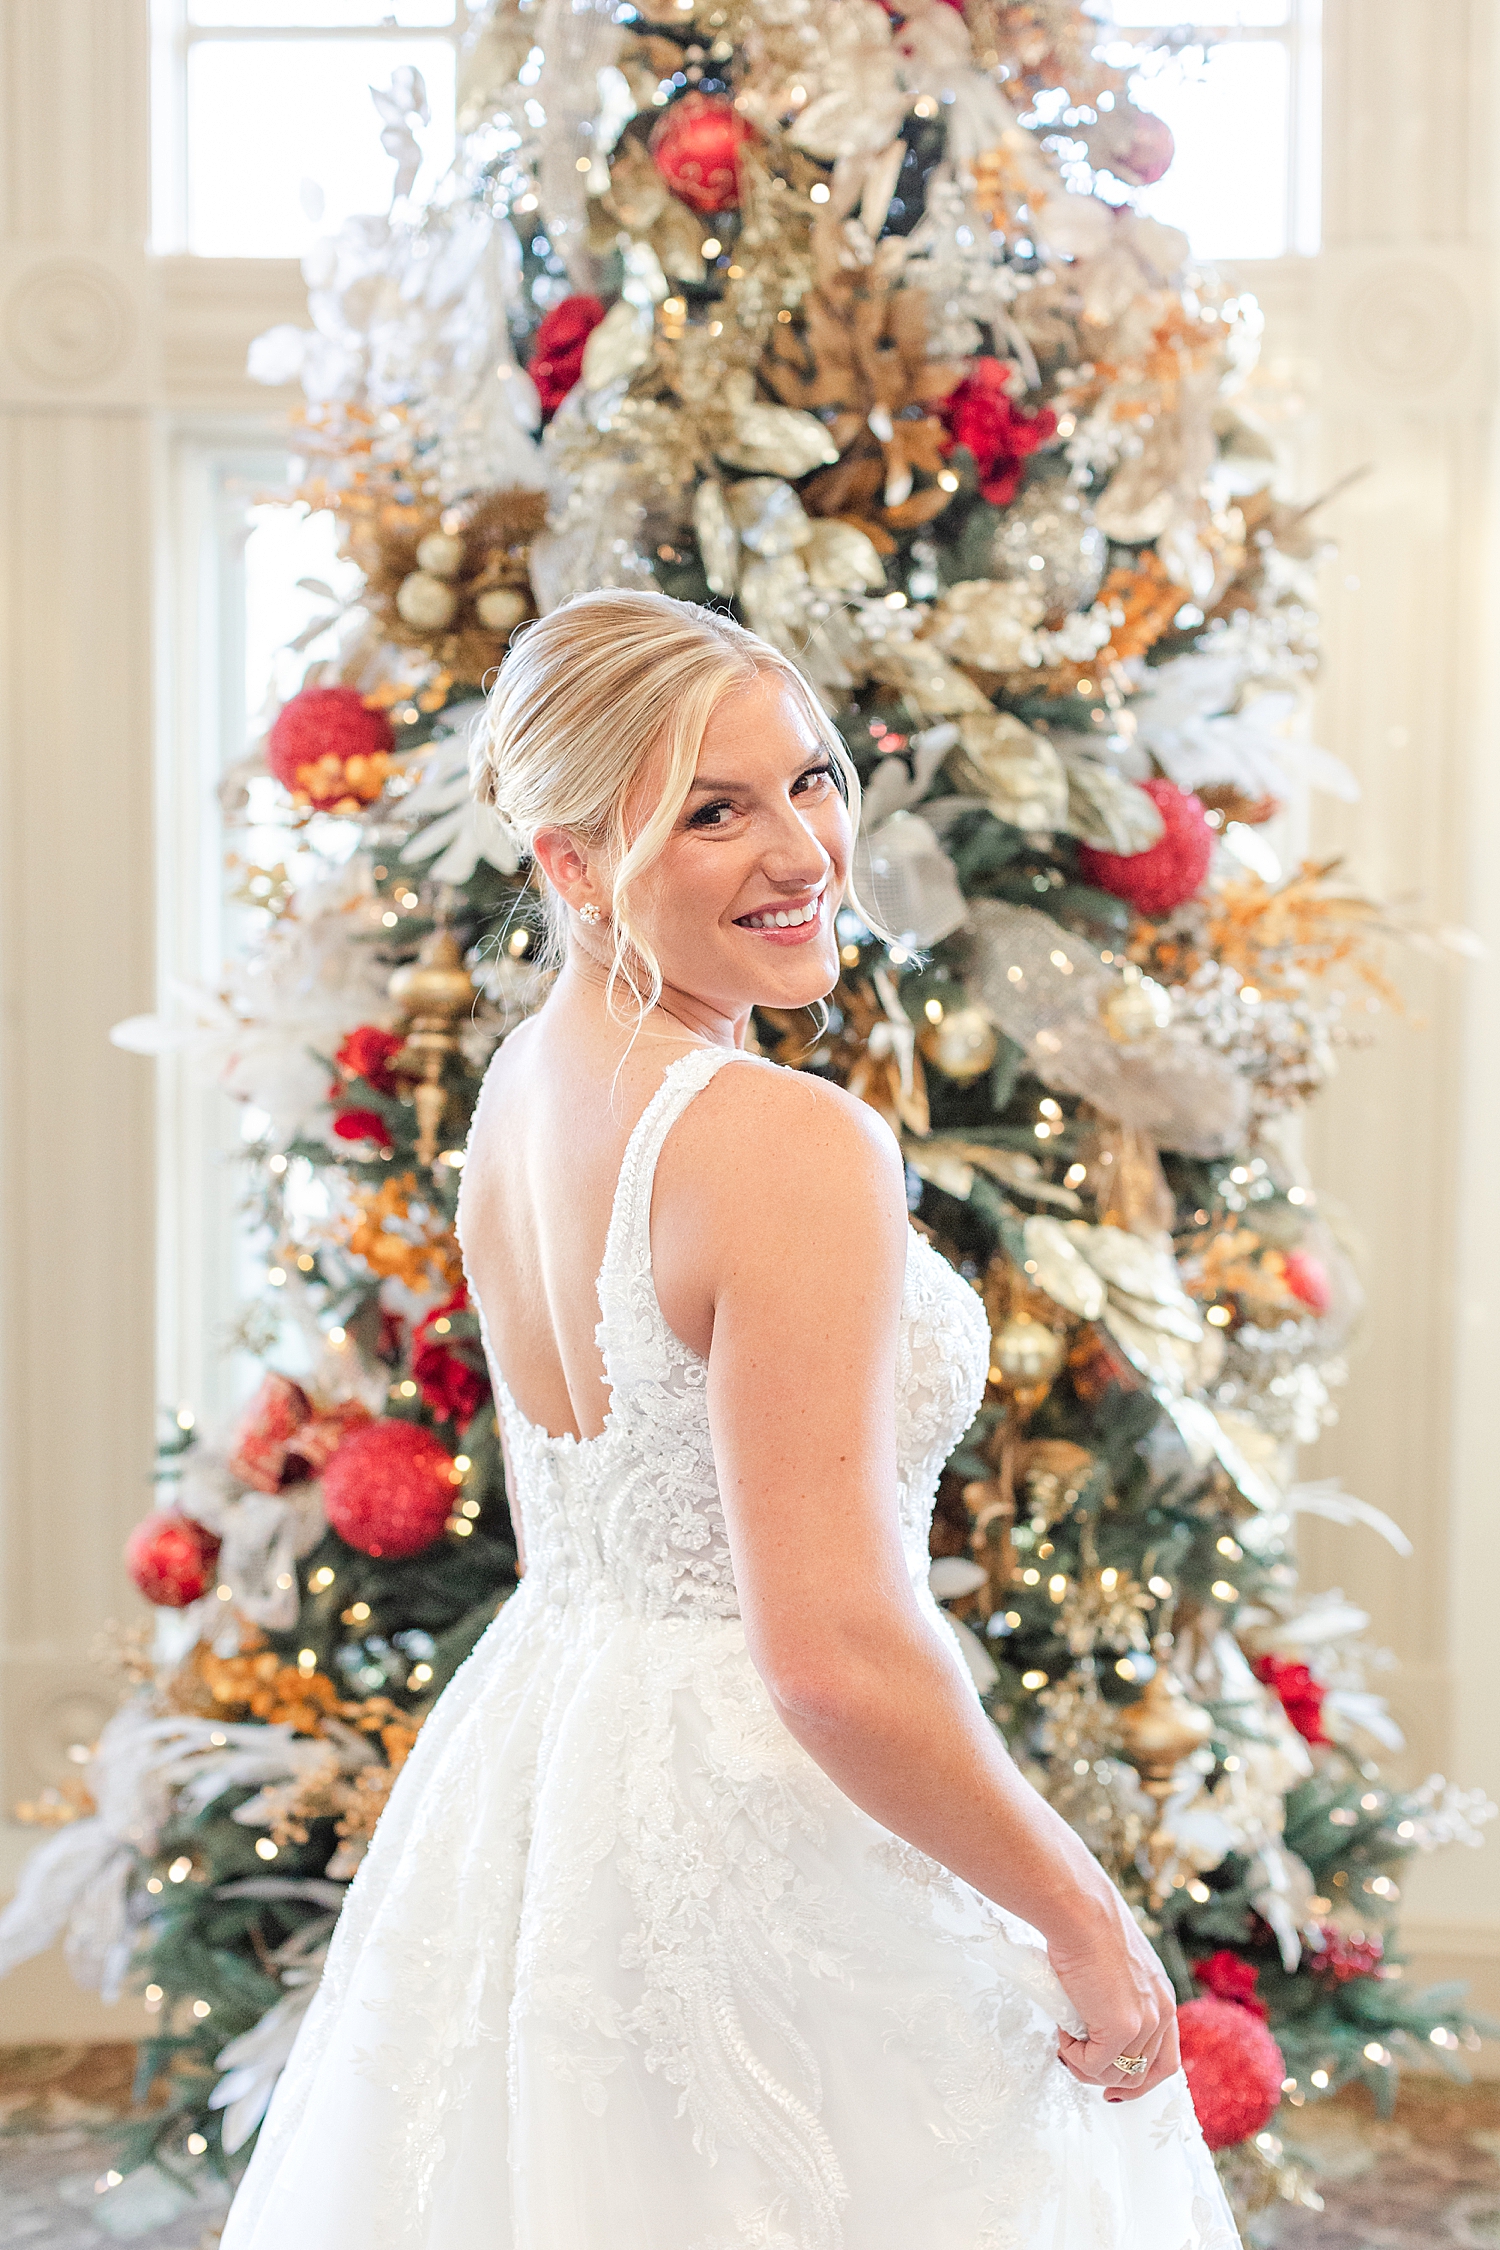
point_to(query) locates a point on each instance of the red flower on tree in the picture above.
(557, 352)
(1300, 1694)
(366, 1053)
(363, 1125)
(1343, 1956)
(1227, 1977)
(981, 416)
(453, 1388)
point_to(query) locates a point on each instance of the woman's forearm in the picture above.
(905, 1739)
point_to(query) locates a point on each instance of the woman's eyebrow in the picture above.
(701, 781)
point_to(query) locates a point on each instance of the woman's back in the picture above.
(548, 1138)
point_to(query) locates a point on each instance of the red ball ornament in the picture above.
(1132, 143)
(1307, 1279)
(1233, 2067)
(329, 749)
(171, 1559)
(696, 149)
(389, 1489)
(1156, 880)
(557, 349)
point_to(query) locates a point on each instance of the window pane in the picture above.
(284, 143)
(321, 15)
(1227, 186)
(285, 546)
(1213, 15)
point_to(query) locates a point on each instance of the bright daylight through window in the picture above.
(267, 137)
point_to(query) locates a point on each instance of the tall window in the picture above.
(265, 136)
(1239, 85)
(249, 577)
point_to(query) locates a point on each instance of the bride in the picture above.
(710, 1911)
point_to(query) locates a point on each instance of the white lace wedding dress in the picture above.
(624, 1970)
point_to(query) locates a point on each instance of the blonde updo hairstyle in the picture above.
(585, 698)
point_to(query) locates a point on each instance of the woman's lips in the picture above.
(792, 933)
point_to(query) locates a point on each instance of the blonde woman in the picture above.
(710, 1911)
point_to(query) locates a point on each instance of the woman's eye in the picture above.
(815, 774)
(712, 816)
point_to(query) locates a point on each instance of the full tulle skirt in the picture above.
(623, 1970)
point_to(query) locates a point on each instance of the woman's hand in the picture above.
(1122, 1993)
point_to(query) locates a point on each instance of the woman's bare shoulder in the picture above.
(762, 1138)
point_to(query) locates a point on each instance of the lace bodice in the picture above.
(632, 1517)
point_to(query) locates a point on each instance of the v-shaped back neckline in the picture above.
(569, 1441)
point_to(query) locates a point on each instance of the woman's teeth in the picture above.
(789, 918)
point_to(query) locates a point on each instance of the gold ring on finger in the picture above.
(1134, 2066)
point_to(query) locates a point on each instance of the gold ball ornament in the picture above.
(441, 554)
(1136, 1008)
(499, 608)
(962, 1044)
(1025, 1354)
(425, 603)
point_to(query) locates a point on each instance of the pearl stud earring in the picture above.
(589, 912)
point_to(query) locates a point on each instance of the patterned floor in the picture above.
(1428, 2180)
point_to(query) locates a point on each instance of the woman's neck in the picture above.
(581, 994)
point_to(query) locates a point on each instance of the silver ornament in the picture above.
(1051, 542)
(499, 608)
(441, 554)
(425, 603)
(1137, 1006)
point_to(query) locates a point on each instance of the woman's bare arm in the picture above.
(789, 1200)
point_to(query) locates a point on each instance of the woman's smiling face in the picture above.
(740, 905)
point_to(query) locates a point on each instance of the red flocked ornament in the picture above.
(1307, 1279)
(1158, 879)
(696, 149)
(171, 1559)
(366, 1053)
(389, 1489)
(980, 415)
(557, 350)
(1233, 2067)
(330, 750)
(1228, 1977)
(1299, 1693)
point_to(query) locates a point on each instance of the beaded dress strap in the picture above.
(626, 1289)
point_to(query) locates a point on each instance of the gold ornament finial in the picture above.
(432, 993)
(1157, 1732)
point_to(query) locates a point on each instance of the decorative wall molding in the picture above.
(78, 328)
(1407, 326)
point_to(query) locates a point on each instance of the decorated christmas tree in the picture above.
(844, 319)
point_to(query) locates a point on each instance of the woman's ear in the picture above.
(564, 865)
